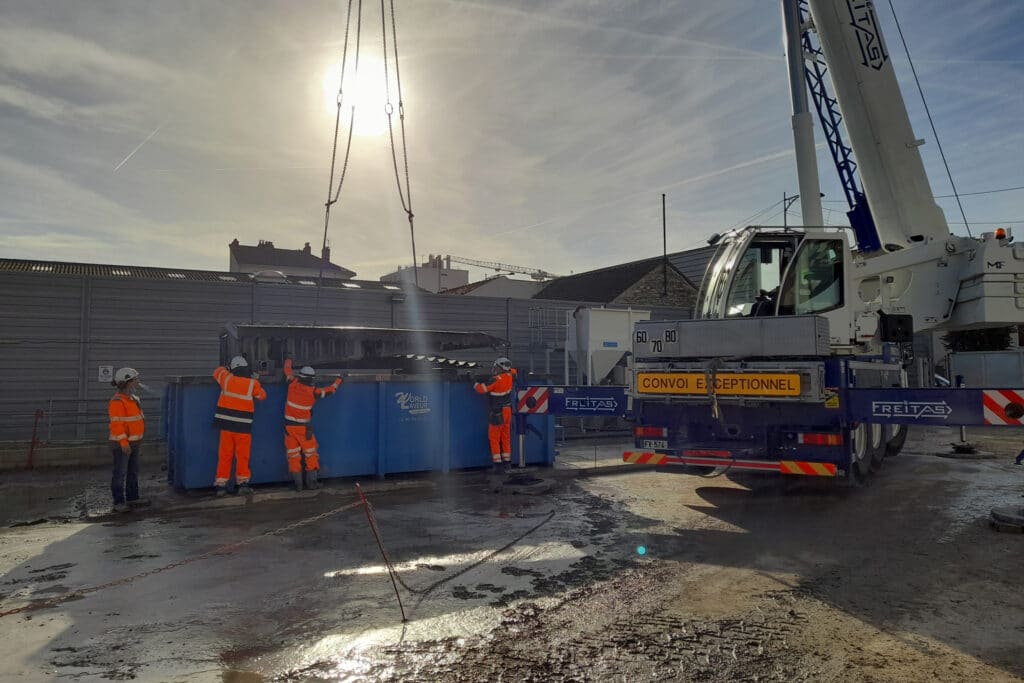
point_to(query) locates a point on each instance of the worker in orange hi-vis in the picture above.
(235, 409)
(298, 432)
(127, 425)
(499, 432)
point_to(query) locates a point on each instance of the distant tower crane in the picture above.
(534, 273)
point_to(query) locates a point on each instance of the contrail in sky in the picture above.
(138, 147)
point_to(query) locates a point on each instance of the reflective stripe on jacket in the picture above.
(298, 407)
(235, 406)
(499, 390)
(127, 423)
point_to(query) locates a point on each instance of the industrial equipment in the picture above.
(796, 360)
(358, 350)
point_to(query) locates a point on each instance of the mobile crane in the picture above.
(795, 360)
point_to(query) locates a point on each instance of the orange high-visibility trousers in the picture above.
(233, 445)
(500, 437)
(297, 440)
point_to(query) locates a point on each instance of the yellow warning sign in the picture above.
(726, 383)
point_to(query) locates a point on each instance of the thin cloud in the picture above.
(52, 55)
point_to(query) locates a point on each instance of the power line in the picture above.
(986, 222)
(970, 194)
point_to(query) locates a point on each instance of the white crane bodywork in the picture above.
(944, 281)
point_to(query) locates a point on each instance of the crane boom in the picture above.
(888, 160)
(535, 273)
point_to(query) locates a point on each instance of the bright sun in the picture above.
(366, 90)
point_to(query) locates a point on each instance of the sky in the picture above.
(538, 133)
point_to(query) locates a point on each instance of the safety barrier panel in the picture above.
(366, 428)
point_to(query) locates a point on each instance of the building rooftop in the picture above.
(603, 285)
(265, 253)
(151, 273)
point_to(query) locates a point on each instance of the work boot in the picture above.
(297, 478)
(244, 489)
(122, 507)
(496, 469)
(507, 467)
(311, 480)
(222, 491)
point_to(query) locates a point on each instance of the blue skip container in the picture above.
(369, 427)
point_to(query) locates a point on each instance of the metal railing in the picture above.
(65, 419)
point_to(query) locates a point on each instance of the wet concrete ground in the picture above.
(642, 575)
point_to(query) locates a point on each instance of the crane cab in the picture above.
(779, 272)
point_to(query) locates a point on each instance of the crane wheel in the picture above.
(867, 451)
(897, 437)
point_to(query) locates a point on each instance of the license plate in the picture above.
(654, 443)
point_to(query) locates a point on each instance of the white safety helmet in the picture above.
(307, 372)
(125, 375)
(238, 362)
(503, 363)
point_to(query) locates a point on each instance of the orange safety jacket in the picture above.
(298, 407)
(235, 406)
(127, 423)
(499, 391)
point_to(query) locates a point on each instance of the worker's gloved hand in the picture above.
(337, 382)
(479, 388)
(126, 449)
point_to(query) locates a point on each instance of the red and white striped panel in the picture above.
(1003, 406)
(539, 395)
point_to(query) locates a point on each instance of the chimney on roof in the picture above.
(307, 249)
(326, 254)
(234, 243)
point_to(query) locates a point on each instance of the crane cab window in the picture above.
(815, 282)
(755, 284)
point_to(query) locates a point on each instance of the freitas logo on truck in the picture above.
(737, 384)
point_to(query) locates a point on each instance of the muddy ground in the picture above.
(638, 576)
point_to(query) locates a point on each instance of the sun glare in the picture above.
(366, 90)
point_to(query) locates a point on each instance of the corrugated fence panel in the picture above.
(50, 357)
(40, 328)
(278, 303)
(462, 313)
(165, 311)
(40, 307)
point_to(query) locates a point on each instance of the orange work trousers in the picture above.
(299, 440)
(500, 437)
(233, 445)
